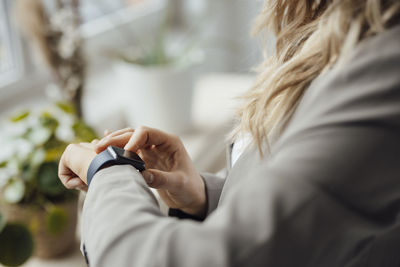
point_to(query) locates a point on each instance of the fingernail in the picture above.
(149, 177)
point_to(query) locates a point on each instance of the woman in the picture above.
(318, 183)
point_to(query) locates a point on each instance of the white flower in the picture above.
(7, 151)
(13, 166)
(60, 115)
(23, 149)
(33, 121)
(65, 133)
(14, 191)
(16, 128)
(9, 171)
(64, 130)
(38, 157)
(39, 135)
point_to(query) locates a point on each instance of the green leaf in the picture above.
(66, 107)
(16, 245)
(48, 121)
(39, 135)
(54, 143)
(14, 191)
(19, 117)
(83, 132)
(54, 154)
(2, 222)
(56, 220)
(26, 171)
(48, 182)
(54, 149)
(38, 156)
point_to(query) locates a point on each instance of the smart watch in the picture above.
(114, 156)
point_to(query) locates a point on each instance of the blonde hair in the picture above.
(311, 36)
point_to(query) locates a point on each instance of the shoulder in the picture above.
(380, 46)
(375, 59)
(370, 73)
(364, 88)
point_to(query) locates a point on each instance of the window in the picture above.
(15, 60)
(93, 9)
(9, 67)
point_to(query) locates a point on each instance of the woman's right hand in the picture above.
(169, 168)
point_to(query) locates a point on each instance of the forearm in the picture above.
(122, 226)
(110, 212)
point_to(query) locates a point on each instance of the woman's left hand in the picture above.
(74, 165)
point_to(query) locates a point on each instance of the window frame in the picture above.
(13, 46)
(30, 81)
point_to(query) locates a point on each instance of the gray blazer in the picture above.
(329, 194)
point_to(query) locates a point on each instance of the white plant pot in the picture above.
(159, 97)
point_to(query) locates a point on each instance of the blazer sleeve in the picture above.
(329, 195)
(214, 185)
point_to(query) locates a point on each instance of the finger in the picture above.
(74, 183)
(150, 157)
(106, 132)
(117, 133)
(119, 141)
(83, 187)
(64, 173)
(66, 177)
(122, 131)
(95, 141)
(163, 180)
(144, 137)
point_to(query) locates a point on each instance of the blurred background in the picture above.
(70, 69)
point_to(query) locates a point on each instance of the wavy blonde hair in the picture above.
(311, 37)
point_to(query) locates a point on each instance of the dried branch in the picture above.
(56, 35)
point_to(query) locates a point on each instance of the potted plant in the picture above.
(157, 79)
(16, 243)
(31, 193)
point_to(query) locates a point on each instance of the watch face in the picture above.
(122, 153)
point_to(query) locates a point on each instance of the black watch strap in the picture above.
(99, 161)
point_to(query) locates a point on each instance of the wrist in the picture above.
(111, 156)
(85, 168)
(199, 211)
(78, 159)
(199, 207)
